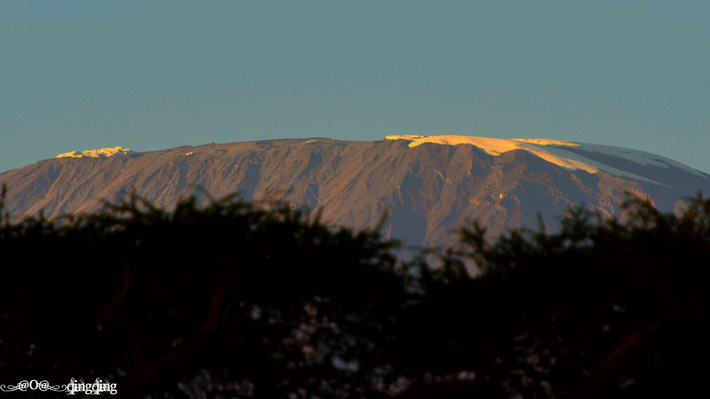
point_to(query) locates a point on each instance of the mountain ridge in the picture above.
(427, 190)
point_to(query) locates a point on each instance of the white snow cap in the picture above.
(100, 153)
(558, 152)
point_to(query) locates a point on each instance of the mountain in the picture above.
(427, 185)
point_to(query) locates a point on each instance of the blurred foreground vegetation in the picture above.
(236, 300)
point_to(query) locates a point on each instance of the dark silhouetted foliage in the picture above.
(602, 308)
(239, 300)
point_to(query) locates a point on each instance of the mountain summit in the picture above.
(426, 185)
(591, 158)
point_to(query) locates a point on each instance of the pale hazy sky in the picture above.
(151, 75)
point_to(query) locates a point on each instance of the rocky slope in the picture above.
(427, 186)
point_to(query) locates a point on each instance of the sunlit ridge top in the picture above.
(100, 153)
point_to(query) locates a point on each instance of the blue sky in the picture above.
(151, 75)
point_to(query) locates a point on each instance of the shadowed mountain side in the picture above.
(427, 191)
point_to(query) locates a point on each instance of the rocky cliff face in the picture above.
(427, 187)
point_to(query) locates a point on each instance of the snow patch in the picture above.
(548, 142)
(499, 146)
(100, 153)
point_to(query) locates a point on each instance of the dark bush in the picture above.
(239, 300)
